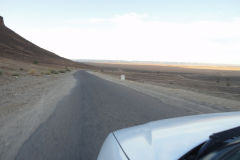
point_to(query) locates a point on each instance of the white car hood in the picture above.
(170, 139)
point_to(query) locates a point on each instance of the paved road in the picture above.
(83, 119)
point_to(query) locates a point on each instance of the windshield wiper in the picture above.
(216, 140)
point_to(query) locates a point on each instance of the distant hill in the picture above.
(15, 47)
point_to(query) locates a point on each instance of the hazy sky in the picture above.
(205, 31)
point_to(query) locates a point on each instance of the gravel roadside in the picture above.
(194, 102)
(25, 103)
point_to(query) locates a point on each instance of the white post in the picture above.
(122, 77)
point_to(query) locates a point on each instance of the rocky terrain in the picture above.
(15, 47)
(19, 56)
(32, 81)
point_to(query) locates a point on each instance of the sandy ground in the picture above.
(26, 102)
(196, 103)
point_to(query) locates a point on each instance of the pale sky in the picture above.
(202, 31)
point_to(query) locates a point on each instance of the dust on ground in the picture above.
(25, 102)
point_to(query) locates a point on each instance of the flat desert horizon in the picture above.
(199, 66)
(217, 80)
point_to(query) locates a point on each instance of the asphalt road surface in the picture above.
(82, 120)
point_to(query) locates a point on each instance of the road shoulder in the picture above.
(196, 103)
(25, 104)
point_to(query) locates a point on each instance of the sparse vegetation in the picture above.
(47, 73)
(1, 73)
(35, 62)
(227, 79)
(67, 70)
(62, 71)
(228, 84)
(54, 72)
(15, 74)
(21, 69)
(32, 72)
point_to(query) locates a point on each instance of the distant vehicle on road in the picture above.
(205, 137)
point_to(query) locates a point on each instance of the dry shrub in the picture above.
(35, 62)
(67, 70)
(54, 72)
(33, 72)
(47, 73)
(15, 74)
